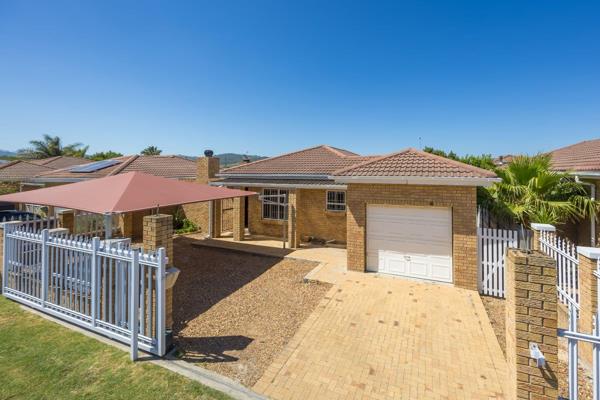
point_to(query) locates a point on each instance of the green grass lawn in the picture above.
(43, 360)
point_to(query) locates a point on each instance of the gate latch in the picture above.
(537, 354)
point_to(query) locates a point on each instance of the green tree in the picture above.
(482, 161)
(51, 146)
(105, 155)
(531, 192)
(151, 151)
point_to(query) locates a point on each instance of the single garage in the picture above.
(414, 242)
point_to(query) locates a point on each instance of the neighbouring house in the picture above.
(408, 213)
(131, 224)
(582, 160)
(15, 174)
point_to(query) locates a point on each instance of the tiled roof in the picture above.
(320, 160)
(415, 163)
(583, 156)
(257, 182)
(61, 161)
(20, 170)
(165, 166)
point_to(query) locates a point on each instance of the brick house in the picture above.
(131, 224)
(582, 160)
(15, 173)
(408, 213)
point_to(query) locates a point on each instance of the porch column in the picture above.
(537, 229)
(292, 219)
(126, 224)
(217, 216)
(588, 295)
(66, 219)
(158, 232)
(239, 207)
(531, 319)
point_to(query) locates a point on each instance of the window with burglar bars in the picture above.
(336, 201)
(274, 204)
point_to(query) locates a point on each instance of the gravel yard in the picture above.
(496, 311)
(234, 312)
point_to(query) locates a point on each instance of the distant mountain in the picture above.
(7, 153)
(228, 159)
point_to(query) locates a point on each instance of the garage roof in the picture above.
(415, 164)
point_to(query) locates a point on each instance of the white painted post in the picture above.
(134, 303)
(160, 301)
(572, 354)
(5, 255)
(44, 267)
(95, 290)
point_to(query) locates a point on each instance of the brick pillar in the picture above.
(158, 232)
(588, 296)
(66, 219)
(531, 317)
(537, 228)
(292, 219)
(239, 207)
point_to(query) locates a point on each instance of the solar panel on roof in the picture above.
(95, 166)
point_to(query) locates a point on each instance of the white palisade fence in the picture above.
(117, 292)
(491, 248)
(567, 263)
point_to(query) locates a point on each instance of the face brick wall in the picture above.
(462, 200)
(311, 217)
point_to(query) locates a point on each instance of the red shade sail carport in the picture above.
(133, 191)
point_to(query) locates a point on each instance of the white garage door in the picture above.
(410, 241)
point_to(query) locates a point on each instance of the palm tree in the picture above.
(105, 155)
(151, 151)
(51, 146)
(531, 192)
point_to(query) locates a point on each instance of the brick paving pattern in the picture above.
(375, 337)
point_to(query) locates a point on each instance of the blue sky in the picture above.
(267, 77)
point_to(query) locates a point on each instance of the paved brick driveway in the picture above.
(385, 338)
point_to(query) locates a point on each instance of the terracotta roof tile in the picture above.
(165, 166)
(415, 163)
(320, 160)
(583, 156)
(61, 161)
(21, 170)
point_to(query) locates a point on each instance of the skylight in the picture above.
(95, 166)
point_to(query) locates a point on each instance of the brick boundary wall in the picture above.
(531, 317)
(158, 232)
(588, 297)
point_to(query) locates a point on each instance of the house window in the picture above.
(274, 202)
(336, 201)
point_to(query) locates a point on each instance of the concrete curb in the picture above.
(207, 378)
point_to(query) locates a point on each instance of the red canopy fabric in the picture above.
(132, 191)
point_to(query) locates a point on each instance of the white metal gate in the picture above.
(117, 292)
(491, 249)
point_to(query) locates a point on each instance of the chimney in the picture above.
(208, 167)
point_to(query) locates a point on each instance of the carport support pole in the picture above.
(107, 226)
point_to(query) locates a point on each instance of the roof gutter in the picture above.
(274, 176)
(416, 180)
(278, 185)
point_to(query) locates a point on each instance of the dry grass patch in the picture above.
(234, 312)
